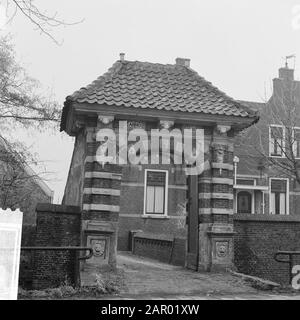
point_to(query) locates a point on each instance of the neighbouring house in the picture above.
(266, 188)
(154, 208)
(269, 153)
(21, 187)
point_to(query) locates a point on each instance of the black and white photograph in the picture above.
(149, 153)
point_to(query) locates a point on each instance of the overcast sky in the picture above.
(237, 45)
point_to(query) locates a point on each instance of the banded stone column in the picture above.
(101, 198)
(216, 205)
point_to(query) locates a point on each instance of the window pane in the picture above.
(276, 141)
(277, 133)
(150, 199)
(297, 134)
(272, 146)
(297, 143)
(248, 182)
(156, 178)
(278, 185)
(159, 199)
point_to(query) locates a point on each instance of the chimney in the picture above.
(122, 56)
(285, 88)
(183, 62)
(286, 73)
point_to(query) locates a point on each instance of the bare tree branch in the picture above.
(42, 20)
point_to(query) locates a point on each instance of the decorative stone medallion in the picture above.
(222, 249)
(99, 247)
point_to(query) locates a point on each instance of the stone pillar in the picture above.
(216, 205)
(101, 200)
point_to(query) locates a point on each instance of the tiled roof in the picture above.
(159, 86)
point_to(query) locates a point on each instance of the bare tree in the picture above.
(22, 105)
(274, 142)
(42, 20)
(20, 98)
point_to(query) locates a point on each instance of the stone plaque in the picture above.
(10, 247)
(222, 248)
(99, 247)
(99, 244)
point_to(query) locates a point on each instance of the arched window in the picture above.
(244, 202)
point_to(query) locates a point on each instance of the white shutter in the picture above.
(150, 199)
(282, 203)
(272, 203)
(159, 199)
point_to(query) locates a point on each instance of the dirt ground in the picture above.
(148, 277)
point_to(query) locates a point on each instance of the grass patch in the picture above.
(106, 282)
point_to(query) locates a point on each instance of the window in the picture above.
(246, 182)
(156, 190)
(296, 142)
(279, 196)
(244, 202)
(276, 141)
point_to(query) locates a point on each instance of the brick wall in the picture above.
(56, 226)
(258, 238)
(163, 248)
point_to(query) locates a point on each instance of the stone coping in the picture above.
(57, 208)
(266, 218)
(153, 236)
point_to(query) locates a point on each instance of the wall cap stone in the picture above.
(266, 218)
(57, 208)
(153, 236)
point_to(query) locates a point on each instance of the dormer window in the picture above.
(276, 141)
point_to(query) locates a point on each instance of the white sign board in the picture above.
(10, 247)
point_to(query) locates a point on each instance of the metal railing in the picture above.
(88, 256)
(290, 260)
(75, 249)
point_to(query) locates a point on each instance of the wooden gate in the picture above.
(193, 223)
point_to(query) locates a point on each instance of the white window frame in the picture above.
(145, 214)
(287, 199)
(294, 144)
(283, 140)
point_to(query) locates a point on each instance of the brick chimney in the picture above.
(285, 87)
(183, 62)
(286, 73)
